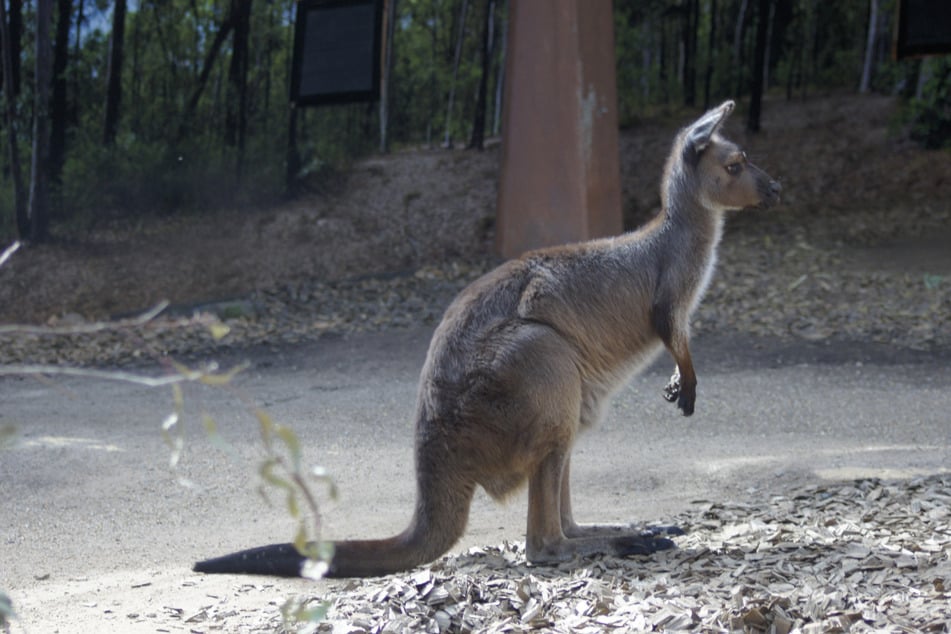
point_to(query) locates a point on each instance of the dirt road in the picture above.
(98, 535)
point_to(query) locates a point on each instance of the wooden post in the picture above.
(560, 178)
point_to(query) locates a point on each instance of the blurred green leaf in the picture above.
(321, 475)
(932, 282)
(7, 436)
(297, 610)
(218, 330)
(219, 380)
(6, 610)
(287, 435)
(215, 438)
(267, 428)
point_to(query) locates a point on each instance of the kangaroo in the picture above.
(527, 356)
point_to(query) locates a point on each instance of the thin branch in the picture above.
(10, 250)
(84, 329)
(110, 375)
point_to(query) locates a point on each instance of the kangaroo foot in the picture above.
(671, 531)
(641, 544)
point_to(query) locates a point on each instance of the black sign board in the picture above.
(924, 28)
(336, 51)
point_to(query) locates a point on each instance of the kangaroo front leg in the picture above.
(680, 390)
(682, 387)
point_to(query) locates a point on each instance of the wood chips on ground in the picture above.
(847, 557)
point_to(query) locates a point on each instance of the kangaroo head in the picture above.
(722, 176)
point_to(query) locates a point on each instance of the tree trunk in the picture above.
(663, 61)
(711, 53)
(16, 40)
(690, 21)
(9, 93)
(59, 116)
(236, 121)
(738, 47)
(39, 179)
(114, 74)
(767, 52)
(866, 83)
(460, 37)
(500, 78)
(478, 120)
(77, 49)
(759, 59)
(223, 32)
(387, 74)
(292, 159)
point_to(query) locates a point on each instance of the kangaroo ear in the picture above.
(701, 131)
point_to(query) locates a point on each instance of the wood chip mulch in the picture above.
(851, 557)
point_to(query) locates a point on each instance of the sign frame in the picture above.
(312, 77)
(914, 13)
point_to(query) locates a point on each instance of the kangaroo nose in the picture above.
(775, 187)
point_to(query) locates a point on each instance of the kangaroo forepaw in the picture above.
(642, 544)
(684, 396)
(672, 389)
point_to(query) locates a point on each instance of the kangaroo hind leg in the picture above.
(547, 542)
(572, 529)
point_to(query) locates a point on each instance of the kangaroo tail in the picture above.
(442, 510)
(276, 560)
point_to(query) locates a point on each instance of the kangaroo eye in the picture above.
(734, 168)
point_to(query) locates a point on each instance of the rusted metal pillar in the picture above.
(560, 178)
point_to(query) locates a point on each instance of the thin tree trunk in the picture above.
(433, 56)
(387, 75)
(477, 140)
(663, 61)
(292, 159)
(9, 93)
(767, 54)
(711, 52)
(866, 83)
(759, 59)
(236, 120)
(223, 32)
(59, 114)
(738, 46)
(500, 79)
(460, 37)
(691, 14)
(77, 48)
(647, 58)
(16, 38)
(114, 77)
(39, 178)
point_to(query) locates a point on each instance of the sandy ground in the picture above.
(99, 535)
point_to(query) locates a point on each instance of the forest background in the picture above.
(160, 106)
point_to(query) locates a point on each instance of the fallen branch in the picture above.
(10, 250)
(209, 374)
(83, 329)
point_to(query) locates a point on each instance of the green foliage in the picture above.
(6, 612)
(930, 114)
(178, 148)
